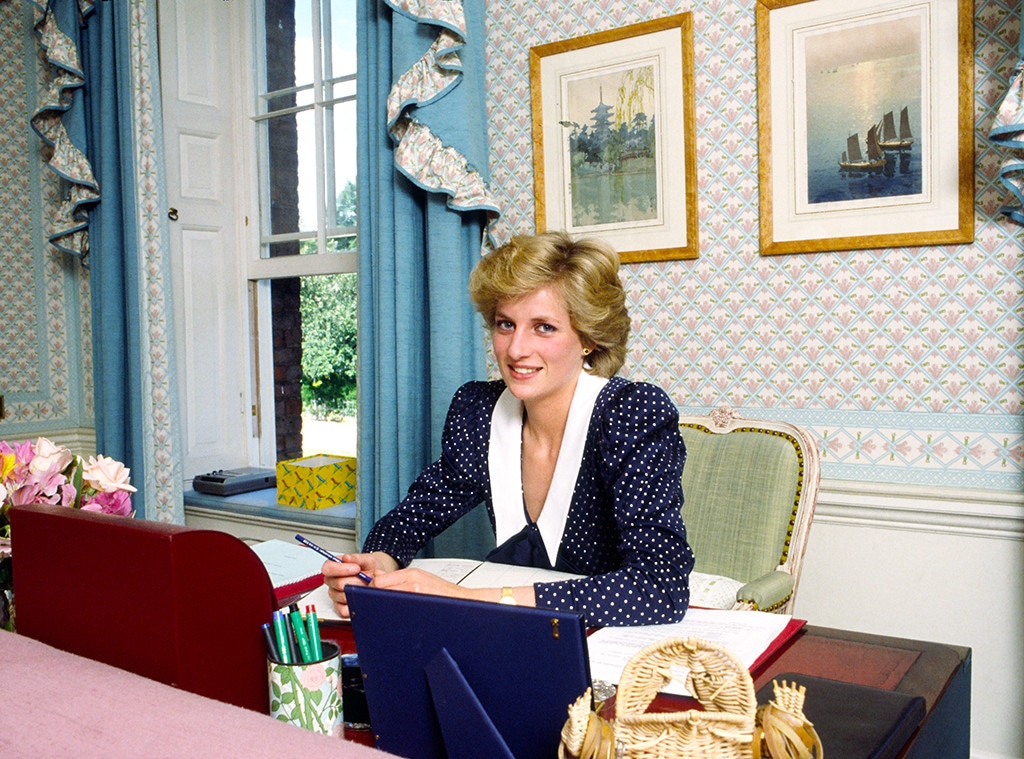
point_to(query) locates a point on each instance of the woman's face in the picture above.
(538, 351)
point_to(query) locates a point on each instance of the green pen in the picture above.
(282, 638)
(314, 632)
(300, 634)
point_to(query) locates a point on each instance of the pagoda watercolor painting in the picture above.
(612, 148)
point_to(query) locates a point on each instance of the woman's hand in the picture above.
(385, 573)
(338, 574)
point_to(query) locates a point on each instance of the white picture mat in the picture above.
(937, 208)
(662, 49)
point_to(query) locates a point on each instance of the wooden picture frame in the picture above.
(613, 138)
(832, 76)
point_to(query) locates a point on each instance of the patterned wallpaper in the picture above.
(905, 362)
(45, 337)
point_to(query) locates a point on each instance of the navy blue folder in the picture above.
(451, 678)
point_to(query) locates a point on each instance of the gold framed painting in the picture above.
(865, 123)
(613, 138)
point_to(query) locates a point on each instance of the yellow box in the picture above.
(316, 482)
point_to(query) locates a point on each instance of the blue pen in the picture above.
(280, 632)
(327, 554)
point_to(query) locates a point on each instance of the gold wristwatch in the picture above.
(507, 597)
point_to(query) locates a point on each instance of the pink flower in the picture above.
(68, 494)
(16, 471)
(104, 474)
(116, 502)
(312, 676)
(49, 457)
(46, 473)
(38, 488)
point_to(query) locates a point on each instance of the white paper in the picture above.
(486, 574)
(288, 562)
(323, 604)
(493, 575)
(452, 570)
(747, 634)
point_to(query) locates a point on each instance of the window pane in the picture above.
(295, 204)
(329, 348)
(339, 37)
(281, 134)
(314, 333)
(289, 53)
(306, 117)
(340, 160)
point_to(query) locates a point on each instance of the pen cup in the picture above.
(357, 714)
(308, 694)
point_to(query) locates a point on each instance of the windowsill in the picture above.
(263, 504)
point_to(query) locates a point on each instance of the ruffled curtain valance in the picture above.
(1008, 131)
(60, 123)
(420, 153)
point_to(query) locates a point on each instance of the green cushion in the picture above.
(769, 591)
(739, 494)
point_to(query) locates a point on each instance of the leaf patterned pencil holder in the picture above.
(308, 695)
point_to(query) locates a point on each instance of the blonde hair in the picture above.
(584, 272)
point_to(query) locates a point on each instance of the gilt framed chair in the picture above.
(749, 492)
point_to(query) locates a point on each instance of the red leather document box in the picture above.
(175, 604)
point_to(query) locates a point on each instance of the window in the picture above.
(302, 285)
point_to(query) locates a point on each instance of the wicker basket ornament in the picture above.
(718, 680)
(731, 726)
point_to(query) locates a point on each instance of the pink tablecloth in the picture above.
(56, 704)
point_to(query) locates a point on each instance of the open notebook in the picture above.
(294, 570)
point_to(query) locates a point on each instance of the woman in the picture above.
(579, 469)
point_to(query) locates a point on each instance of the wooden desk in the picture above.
(940, 673)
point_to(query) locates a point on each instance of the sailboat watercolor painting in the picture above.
(855, 162)
(853, 75)
(865, 123)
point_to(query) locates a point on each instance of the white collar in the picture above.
(504, 461)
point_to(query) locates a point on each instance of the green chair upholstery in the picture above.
(749, 490)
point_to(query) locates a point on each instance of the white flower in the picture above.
(49, 457)
(106, 475)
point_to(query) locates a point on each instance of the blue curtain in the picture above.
(423, 212)
(113, 247)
